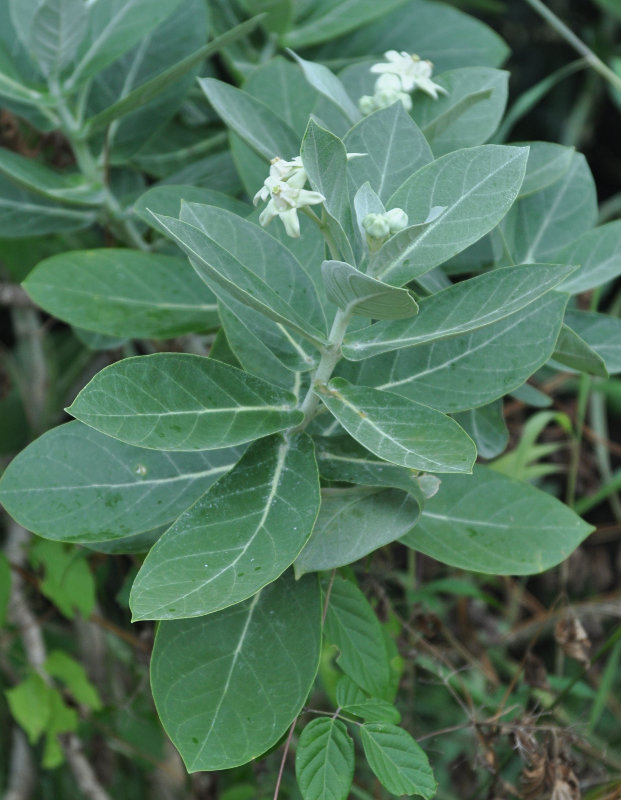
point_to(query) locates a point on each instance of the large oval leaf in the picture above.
(489, 523)
(177, 401)
(241, 535)
(73, 484)
(228, 685)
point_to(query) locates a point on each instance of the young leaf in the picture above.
(178, 401)
(60, 665)
(493, 524)
(203, 563)
(572, 351)
(461, 308)
(57, 30)
(124, 293)
(397, 760)
(327, 84)
(251, 119)
(324, 760)
(601, 332)
(475, 187)
(373, 710)
(468, 114)
(30, 705)
(399, 430)
(598, 253)
(68, 581)
(354, 291)
(228, 685)
(385, 136)
(74, 484)
(351, 525)
(352, 626)
(502, 356)
(220, 269)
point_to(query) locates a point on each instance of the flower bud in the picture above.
(366, 104)
(397, 219)
(376, 226)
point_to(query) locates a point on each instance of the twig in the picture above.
(284, 758)
(21, 773)
(11, 294)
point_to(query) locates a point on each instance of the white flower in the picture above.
(285, 189)
(412, 72)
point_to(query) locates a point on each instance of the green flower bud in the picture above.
(397, 219)
(376, 226)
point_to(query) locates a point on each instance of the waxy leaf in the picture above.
(166, 199)
(598, 254)
(475, 187)
(487, 428)
(463, 307)
(601, 332)
(547, 163)
(57, 30)
(473, 369)
(397, 760)
(228, 685)
(354, 291)
(572, 351)
(489, 523)
(352, 626)
(220, 269)
(327, 84)
(205, 563)
(351, 525)
(324, 760)
(123, 293)
(399, 430)
(177, 401)
(73, 484)
(255, 122)
(395, 148)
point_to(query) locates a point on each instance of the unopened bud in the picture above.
(376, 226)
(397, 219)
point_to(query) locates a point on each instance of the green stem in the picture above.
(570, 37)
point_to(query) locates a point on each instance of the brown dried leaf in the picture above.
(535, 673)
(572, 637)
(534, 777)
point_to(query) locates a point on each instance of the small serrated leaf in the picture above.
(324, 761)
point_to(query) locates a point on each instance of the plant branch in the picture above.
(11, 294)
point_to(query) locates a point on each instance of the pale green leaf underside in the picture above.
(464, 307)
(490, 523)
(399, 430)
(175, 401)
(228, 685)
(74, 484)
(241, 535)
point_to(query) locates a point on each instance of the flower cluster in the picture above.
(400, 74)
(285, 189)
(380, 226)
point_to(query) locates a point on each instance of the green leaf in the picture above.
(30, 705)
(493, 524)
(166, 199)
(461, 308)
(547, 163)
(399, 430)
(352, 626)
(361, 294)
(74, 484)
(475, 187)
(60, 665)
(221, 269)
(325, 161)
(63, 719)
(351, 525)
(115, 26)
(598, 254)
(143, 92)
(468, 114)
(385, 136)
(541, 224)
(5, 587)
(329, 19)
(487, 428)
(203, 563)
(124, 293)
(327, 84)
(178, 401)
(68, 581)
(57, 30)
(251, 119)
(373, 710)
(601, 332)
(446, 36)
(342, 459)
(23, 214)
(473, 369)
(572, 351)
(397, 760)
(51, 184)
(228, 685)
(278, 13)
(324, 760)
